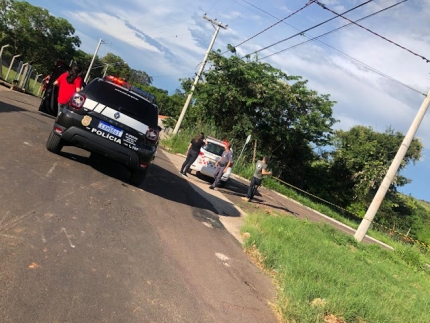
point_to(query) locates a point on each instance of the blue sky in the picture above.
(168, 40)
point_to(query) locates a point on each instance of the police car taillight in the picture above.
(152, 134)
(77, 101)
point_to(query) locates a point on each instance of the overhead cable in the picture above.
(371, 31)
(350, 57)
(278, 22)
(302, 32)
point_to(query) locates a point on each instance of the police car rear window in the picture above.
(124, 101)
(214, 148)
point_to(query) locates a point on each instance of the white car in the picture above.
(208, 156)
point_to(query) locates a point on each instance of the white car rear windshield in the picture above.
(214, 148)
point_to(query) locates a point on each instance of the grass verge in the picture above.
(180, 142)
(323, 274)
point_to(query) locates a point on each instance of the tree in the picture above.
(362, 157)
(251, 97)
(140, 77)
(40, 37)
(169, 105)
(84, 60)
(115, 65)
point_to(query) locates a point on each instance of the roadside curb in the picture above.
(236, 232)
(232, 224)
(319, 213)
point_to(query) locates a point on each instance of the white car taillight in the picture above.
(152, 134)
(77, 101)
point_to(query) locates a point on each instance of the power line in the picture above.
(350, 57)
(334, 30)
(371, 31)
(313, 27)
(278, 22)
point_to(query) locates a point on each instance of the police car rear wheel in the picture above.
(54, 143)
(137, 176)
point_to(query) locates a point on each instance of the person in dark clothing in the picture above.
(193, 152)
(222, 165)
(260, 170)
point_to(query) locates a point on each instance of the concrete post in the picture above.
(104, 73)
(196, 80)
(35, 80)
(10, 66)
(388, 179)
(1, 59)
(20, 71)
(26, 68)
(92, 61)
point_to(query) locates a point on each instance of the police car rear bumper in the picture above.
(99, 145)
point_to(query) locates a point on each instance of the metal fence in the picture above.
(15, 71)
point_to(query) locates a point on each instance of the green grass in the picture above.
(180, 142)
(356, 282)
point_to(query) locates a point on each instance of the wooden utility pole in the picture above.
(202, 66)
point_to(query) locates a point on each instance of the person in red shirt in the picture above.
(69, 83)
(45, 82)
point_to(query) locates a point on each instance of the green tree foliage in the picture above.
(115, 65)
(169, 105)
(84, 60)
(362, 157)
(140, 77)
(350, 174)
(38, 36)
(252, 97)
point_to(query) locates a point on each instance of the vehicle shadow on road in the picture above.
(4, 107)
(101, 164)
(162, 182)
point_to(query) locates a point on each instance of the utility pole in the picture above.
(388, 179)
(202, 66)
(107, 66)
(92, 61)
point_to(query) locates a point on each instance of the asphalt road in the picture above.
(78, 244)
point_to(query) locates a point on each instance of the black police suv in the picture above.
(111, 118)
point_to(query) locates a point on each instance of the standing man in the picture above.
(260, 170)
(222, 165)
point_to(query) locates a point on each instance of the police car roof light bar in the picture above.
(119, 81)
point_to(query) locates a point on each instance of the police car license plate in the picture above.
(109, 128)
